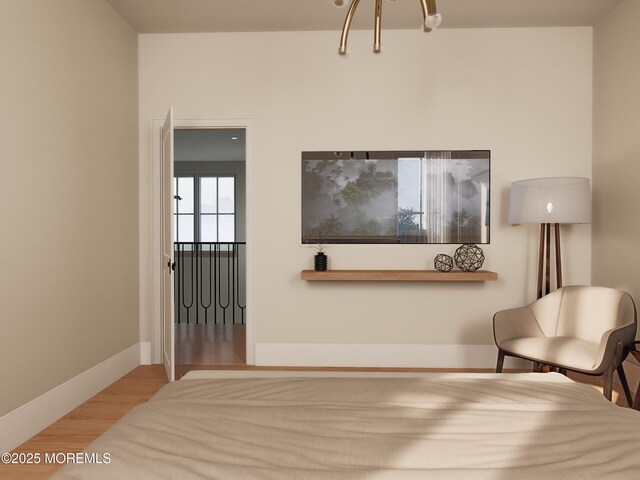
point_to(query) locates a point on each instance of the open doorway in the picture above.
(209, 225)
(162, 348)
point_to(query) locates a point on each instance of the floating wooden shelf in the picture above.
(398, 276)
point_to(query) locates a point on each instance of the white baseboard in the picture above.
(24, 422)
(380, 355)
(145, 353)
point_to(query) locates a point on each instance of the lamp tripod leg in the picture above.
(541, 259)
(547, 258)
(558, 257)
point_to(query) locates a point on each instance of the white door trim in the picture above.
(250, 318)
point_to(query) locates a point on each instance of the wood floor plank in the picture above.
(200, 344)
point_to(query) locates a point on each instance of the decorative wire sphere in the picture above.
(443, 263)
(468, 257)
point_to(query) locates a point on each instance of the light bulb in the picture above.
(433, 21)
(550, 207)
(340, 3)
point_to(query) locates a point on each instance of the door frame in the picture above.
(193, 124)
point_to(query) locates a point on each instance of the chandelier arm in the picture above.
(377, 45)
(342, 50)
(425, 12)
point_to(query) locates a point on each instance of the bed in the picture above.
(348, 425)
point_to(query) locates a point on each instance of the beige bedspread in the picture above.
(436, 427)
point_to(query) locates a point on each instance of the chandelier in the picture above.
(431, 19)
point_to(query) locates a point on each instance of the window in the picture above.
(205, 209)
(184, 211)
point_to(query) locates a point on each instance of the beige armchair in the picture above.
(578, 328)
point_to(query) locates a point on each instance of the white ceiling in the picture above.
(209, 145)
(180, 16)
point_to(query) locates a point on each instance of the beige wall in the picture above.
(525, 94)
(616, 152)
(68, 202)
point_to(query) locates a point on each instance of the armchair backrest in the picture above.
(583, 312)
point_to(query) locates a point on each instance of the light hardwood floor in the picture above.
(202, 346)
(76, 430)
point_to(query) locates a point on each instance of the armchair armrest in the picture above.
(515, 323)
(625, 334)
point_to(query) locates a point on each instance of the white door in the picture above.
(167, 247)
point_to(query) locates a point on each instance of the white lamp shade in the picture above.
(550, 200)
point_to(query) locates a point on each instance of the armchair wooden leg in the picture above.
(607, 383)
(625, 384)
(607, 378)
(500, 361)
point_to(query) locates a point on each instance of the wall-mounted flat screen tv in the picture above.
(396, 196)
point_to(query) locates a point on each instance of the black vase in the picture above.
(320, 262)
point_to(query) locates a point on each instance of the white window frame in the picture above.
(197, 214)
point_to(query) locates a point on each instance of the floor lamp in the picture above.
(550, 202)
